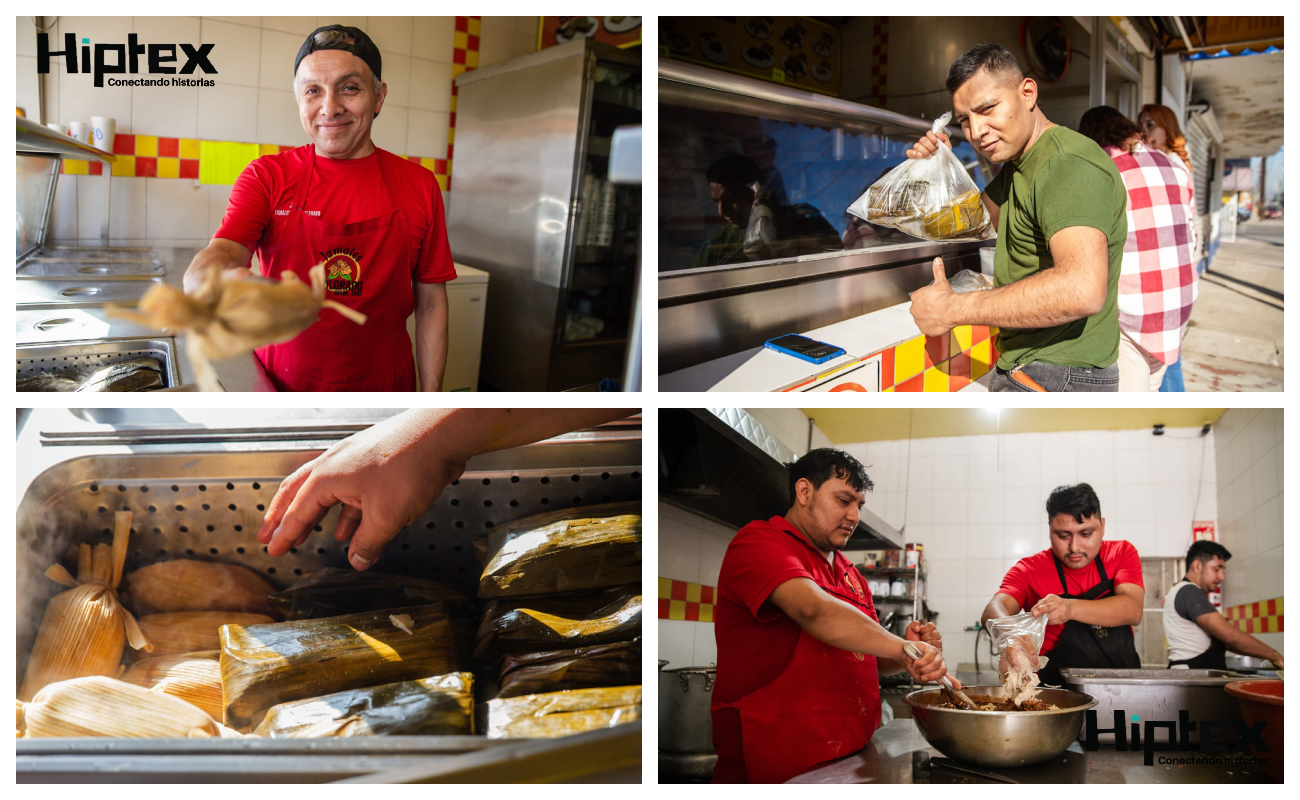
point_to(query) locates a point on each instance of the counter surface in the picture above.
(888, 758)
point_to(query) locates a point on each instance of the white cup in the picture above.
(102, 130)
(79, 131)
(54, 126)
(987, 255)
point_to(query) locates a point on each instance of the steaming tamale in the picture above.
(562, 713)
(187, 585)
(99, 706)
(86, 628)
(332, 591)
(439, 706)
(531, 625)
(193, 677)
(263, 665)
(617, 664)
(564, 551)
(188, 631)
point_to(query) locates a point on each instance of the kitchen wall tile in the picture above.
(1268, 574)
(951, 446)
(126, 208)
(176, 209)
(1132, 440)
(983, 540)
(712, 550)
(1170, 465)
(1244, 499)
(1268, 524)
(949, 607)
(985, 471)
(238, 52)
(951, 506)
(1095, 465)
(276, 59)
(392, 35)
(1264, 477)
(1060, 442)
(229, 113)
(1021, 469)
(952, 472)
(985, 505)
(1173, 537)
(254, 22)
(920, 474)
(218, 197)
(26, 42)
(677, 642)
(1020, 443)
(353, 22)
(985, 576)
(1103, 441)
(278, 121)
(1142, 535)
(1133, 467)
(1019, 507)
(169, 30)
(1134, 503)
(914, 448)
(79, 100)
(28, 85)
(920, 507)
(50, 111)
(166, 110)
(706, 645)
(301, 26)
(397, 74)
(63, 219)
(389, 131)
(434, 38)
(1174, 499)
(1059, 468)
(679, 554)
(947, 577)
(498, 43)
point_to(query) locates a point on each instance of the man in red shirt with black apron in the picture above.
(1091, 590)
(376, 220)
(798, 638)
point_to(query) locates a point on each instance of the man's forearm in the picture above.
(1248, 645)
(459, 434)
(219, 254)
(431, 318)
(840, 625)
(1000, 606)
(1109, 612)
(1042, 300)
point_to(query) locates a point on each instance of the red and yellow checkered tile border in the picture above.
(464, 58)
(691, 602)
(933, 363)
(1264, 616)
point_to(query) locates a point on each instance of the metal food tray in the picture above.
(64, 357)
(99, 270)
(1156, 694)
(194, 498)
(65, 293)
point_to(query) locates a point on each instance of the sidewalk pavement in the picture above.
(1234, 341)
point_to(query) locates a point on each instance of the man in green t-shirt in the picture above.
(1059, 207)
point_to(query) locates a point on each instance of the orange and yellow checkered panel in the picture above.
(935, 363)
(1264, 616)
(691, 602)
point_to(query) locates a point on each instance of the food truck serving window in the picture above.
(729, 164)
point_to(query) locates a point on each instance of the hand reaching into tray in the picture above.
(388, 475)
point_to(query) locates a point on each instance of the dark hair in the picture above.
(1109, 128)
(733, 170)
(820, 465)
(1203, 551)
(1079, 501)
(992, 57)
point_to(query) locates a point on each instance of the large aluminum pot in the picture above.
(1000, 738)
(685, 725)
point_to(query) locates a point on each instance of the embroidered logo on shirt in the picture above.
(342, 271)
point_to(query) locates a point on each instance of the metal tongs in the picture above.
(958, 696)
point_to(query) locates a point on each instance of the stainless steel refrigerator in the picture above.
(532, 205)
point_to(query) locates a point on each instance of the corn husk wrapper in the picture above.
(193, 677)
(98, 706)
(513, 626)
(264, 665)
(563, 713)
(564, 551)
(190, 631)
(438, 706)
(616, 664)
(231, 315)
(187, 585)
(86, 628)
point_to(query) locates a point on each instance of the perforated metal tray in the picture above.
(64, 358)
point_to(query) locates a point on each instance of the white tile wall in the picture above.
(690, 549)
(252, 101)
(1248, 456)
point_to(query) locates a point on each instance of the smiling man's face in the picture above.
(1076, 544)
(996, 112)
(337, 103)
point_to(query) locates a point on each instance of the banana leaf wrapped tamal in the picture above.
(617, 664)
(438, 706)
(531, 625)
(562, 713)
(564, 551)
(333, 591)
(264, 665)
(187, 585)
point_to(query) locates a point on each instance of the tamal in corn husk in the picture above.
(86, 628)
(264, 665)
(562, 713)
(617, 664)
(333, 591)
(513, 626)
(193, 677)
(438, 706)
(187, 585)
(189, 631)
(564, 551)
(99, 706)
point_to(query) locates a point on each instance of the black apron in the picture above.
(1083, 645)
(1216, 657)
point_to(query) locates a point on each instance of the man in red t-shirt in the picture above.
(1090, 590)
(798, 639)
(374, 219)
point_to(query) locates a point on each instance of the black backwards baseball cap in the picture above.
(362, 47)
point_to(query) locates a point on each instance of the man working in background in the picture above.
(1196, 633)
(1090, 590)
(1059, 206)
(798, 638)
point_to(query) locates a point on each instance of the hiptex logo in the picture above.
(1216, 738)
(128, 56)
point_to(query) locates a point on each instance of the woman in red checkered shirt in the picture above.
(1157, 283)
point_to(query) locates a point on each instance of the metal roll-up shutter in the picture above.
(1199, 148)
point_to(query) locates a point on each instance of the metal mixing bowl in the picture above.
(1000, 738)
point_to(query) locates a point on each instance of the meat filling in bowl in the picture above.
(984, 702)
